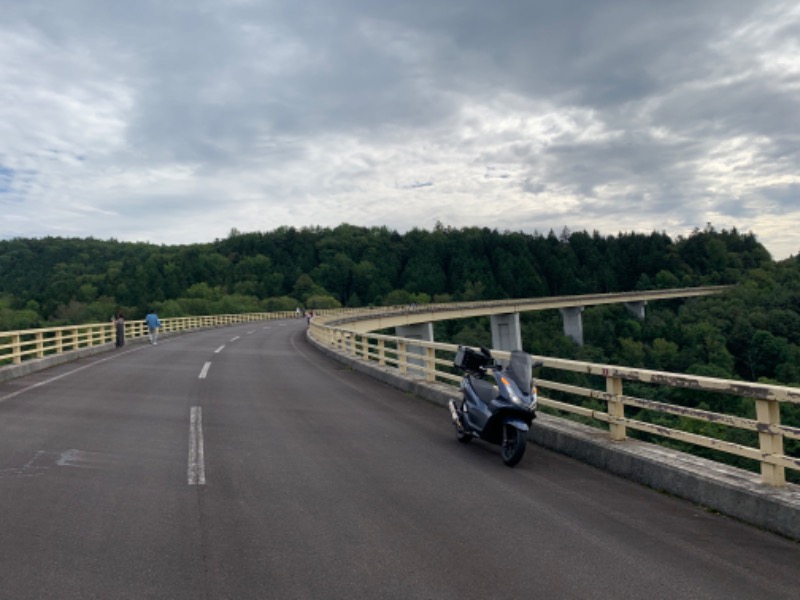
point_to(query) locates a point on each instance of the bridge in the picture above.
(234, 460)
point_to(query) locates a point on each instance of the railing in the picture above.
(433, 361)
(19, 346)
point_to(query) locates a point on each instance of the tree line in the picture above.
(58, 280)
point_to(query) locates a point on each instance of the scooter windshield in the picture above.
(520, 369)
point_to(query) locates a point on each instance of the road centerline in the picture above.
(204, 371)
(196, 471)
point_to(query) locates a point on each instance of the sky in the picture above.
(175, 122)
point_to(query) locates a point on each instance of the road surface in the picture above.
(240, 463)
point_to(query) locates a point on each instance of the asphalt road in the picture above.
(240, 463)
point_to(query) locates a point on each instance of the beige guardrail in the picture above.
(433, 361)
(19, 346)
(343, 330)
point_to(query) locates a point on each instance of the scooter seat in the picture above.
(484, 389)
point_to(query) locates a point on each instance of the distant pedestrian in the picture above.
(119, 324)
(297, 312)
(153, 323)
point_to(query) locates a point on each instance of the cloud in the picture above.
(176, 122)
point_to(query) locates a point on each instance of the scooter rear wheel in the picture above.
(513, 446)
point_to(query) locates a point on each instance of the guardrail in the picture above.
(618, 411)
(433, 361)
(19, 346)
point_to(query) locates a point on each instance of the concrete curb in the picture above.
(730, 491)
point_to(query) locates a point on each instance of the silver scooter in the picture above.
(498, 412)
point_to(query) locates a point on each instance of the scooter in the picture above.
(501, 412)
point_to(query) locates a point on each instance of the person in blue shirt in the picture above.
(153, 323)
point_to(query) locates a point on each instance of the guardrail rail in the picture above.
(619, 412)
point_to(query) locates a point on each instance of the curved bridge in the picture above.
(421, 364)
(237, 461)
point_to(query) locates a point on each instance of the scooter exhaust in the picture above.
(454, 414)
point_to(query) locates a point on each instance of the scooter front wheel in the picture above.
(462, 436)
(513, 446)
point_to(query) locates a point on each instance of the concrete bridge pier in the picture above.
(418, 331)
(506, 332)
(636, 308)
(573, 323)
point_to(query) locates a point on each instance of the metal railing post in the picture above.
(430, 364)
(16, 350)
(768, 413)
(402, 362)
(616, 409)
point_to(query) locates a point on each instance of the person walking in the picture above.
(119, 324)
(153, 323)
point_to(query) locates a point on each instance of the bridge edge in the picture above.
(733, 492)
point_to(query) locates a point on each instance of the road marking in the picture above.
(76, 459)
(57, 377)
(218, 350)
(234, 339)
(204, 372)
(83, 460)
(197, 469)
(27, 470)
(250, 332)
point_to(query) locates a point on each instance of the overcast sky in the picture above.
(174, 122)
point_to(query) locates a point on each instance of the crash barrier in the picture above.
(602, 400)
(19, 346)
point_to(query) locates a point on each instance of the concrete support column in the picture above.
(636, 308)
(573, 323)
(418, 331)
(506, 332)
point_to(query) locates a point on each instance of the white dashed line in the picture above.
(218, 350)
(197, 468)
(204, 372)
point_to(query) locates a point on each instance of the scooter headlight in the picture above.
(513, 395)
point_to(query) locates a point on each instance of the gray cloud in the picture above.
(615, 114)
